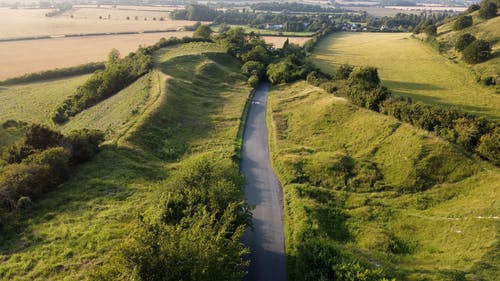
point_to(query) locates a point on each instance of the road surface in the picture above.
(262, 190)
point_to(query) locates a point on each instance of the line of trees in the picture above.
(293, 7)
(118, 74)
(39, 162)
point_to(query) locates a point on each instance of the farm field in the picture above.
(36, 55)
(82, 224)
(343, 168)
(410, 68)
(278, 41)
(16, 23)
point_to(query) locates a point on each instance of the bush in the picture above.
(477, 51)
(473, 8)
(203, 31)
(431, 30)
(488, 9)
(462, 22)
(253, 81)
(57, 161)
(253, 68)
(489, 146)
(84, 144)
(463, 41)
(365, 77)
(343, 72)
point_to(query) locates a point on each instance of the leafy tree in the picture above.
(488, 9)
(473, 8)
(462, 22)
(489, 146)
(343, 72)
(463, 41)
(203, 31)
(431, 30)
(366, 77)
(477, 51)
(253, 81)
(254, 68)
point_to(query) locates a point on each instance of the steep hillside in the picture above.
(66, 235)
(365, 187)
(409, 68)
(488, 30)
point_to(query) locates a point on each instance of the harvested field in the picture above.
(16, 23)
(278, 41)
(36, 55)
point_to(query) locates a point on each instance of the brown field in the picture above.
(15, 23)
(278, 41)
(19, 57)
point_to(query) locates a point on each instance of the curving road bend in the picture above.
(263, 191)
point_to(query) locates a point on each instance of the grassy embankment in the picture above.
(342, 168)
(410, 68)
(200, 97)
(481, 29)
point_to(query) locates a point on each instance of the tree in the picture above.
(203, 31)
(462, 22)
(254, 68)
(478, 51)
(473, 8)
(113, 57)
(431, 30)
(489, 146)
(488, 9)
(463, 41)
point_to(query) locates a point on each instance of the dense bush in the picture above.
(489, 146)
(463, 41)
(462, 22)
(197, 234)
(477, 51)
(203, 31)
(253, 81)
(473, 8)
(41, 161)
(488, 9)
(56, 73)
(118, 74)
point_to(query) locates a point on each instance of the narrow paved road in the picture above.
(262, 190)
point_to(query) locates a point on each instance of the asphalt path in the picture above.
(263, 191)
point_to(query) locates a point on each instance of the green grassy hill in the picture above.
(409, 67)
(80, 225)
(488, 30)
(380, 191)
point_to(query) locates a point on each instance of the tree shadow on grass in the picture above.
(410, 86)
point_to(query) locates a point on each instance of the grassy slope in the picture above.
(34, 102)
(79, 225)
(482, 29)
(447, 237)
(411, 68)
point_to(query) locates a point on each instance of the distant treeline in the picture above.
(55, 73)
(362, 87)
(39, 162)
(60, 8)
(292, 7)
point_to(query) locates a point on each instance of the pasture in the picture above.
(201, 94)
(341, 168)
(410, 68)
(37, 55)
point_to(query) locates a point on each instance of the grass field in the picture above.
(411, 68)
(79, 226)
(34, 102)
(447, 232)
(37, 55)
(15, 23)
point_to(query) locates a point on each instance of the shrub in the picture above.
(489, 146)
(473, 8)
(57, 161)
(253, 68)
(343, 72)
(365, 77)
(463, 41)
(431, 30)
(477, 51)
(203, 31)
(253, 81)
(488, 9)
(84, 144)
(462, 22)
(24, 203)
